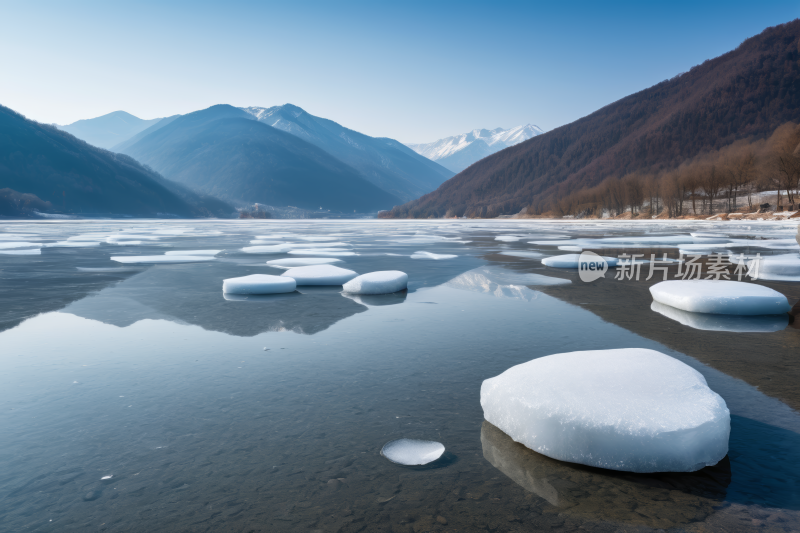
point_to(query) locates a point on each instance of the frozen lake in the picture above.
(135, 396)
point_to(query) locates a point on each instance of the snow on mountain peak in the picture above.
(497, 139)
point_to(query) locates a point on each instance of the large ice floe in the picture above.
(720, 297)
(732, 323)
(274, 249)
(293, 262)
(259, 284)
(193, 252)
(29, 251)
(161, 259)
(431, 255)
(320, 275)
(334, 252)
(574, 260)
(632, 409)
(381, 282)
(777, 267)
(412, 452)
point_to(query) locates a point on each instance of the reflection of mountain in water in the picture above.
(192, 294)
(653, 500)
(503, 284)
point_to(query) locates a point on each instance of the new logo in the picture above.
(591, 267)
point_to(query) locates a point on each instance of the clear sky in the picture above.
(414, 71)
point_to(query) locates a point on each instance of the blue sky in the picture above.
(414, 71)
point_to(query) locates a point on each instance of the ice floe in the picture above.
(574, 260)
(777, 267)
(732, 323)
(192, 252)
(274, 249)
(632, 409)
(29, 251)
(12, 245)
(71, 244)
(258, 284)
(431, 255)
(161, 259)
(507, 238)
(381, 282)
(335, 252)
(570, 248)
(720, 297)
(293, 262)
(320, 275)
(412, 452)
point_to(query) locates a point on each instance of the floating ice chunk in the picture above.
(573, 260)
(733, 323)
(110, 269)
(336, 252)
(381, 282)
(29, 251)
(429, 255)
(320, 275)
(71, 244)
(317, 238)
(157, 259)
(258, 284)
(412, 452)
(106, 477)
(114, 238)
(507, 238)
(778, 268)
(720, 297)
(631, 409)
(293, 262)
(259, 241)
(12, 245)
(192, 252)
(523, 254)
(275, 249)
(570, 248)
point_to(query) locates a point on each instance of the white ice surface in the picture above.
(430, 255)
(29, 251)
(275, 249)
(732, 323)
(293, 262)
(411, 452)
(381, 282)
(720, 297)
(158, 259)
(570, 248)
(12, 245)
(320, 275)
(631, 409)
(572, 260)
(192, 252)
(334, 252)
(779, 268)
(507, 238)
(258, 284)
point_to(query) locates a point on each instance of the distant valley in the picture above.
(460, 151)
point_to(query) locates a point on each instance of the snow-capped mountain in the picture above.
(460, 151)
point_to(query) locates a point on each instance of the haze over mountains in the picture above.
(225, 152)
(108, 130)
(746, 93)
(460, 151)
(41, 164)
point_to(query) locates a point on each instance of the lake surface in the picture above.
(268, 414)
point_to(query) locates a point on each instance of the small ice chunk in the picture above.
(18, 244)
(320, 275)
(192, 252)
(259, 284)
(572, 260)
(631, 409)
(335, 252)
(381, 282)
(161, 259)
(412, 452)
(430, 255)
(507, 238)
(106, 477)
(71, 244)
(777, 267)
(275, 249)
(570, 248)
(30, 251)
(293, 262)
(720, 297)
(523, 254)
(127, 243)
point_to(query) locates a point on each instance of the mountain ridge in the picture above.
(108, 130)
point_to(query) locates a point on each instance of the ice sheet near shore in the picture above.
(720, 297)
(259, 284)
(381, 282)
(631, 409)
(320, 275)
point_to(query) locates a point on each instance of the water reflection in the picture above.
(502, 283)
(733, 323)
(372, 300)
(654, 500)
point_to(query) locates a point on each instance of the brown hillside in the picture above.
(746, 93)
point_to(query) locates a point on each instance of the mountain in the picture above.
(40, 164)
(121, 147)
(745, 93)
(384, 162)
(108, 130)
(460, 151)
(225, 152)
